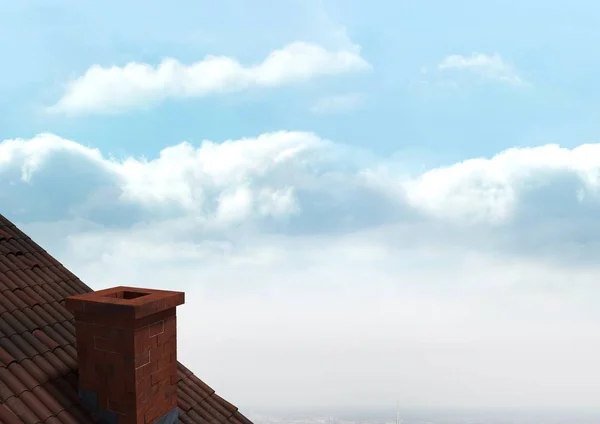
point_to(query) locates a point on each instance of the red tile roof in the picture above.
(38, 358)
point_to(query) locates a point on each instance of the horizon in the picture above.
(425, 416)
(365, 203)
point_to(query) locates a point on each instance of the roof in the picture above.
(38, 357)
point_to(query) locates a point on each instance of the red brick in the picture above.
(141, 359)
(171, 324)
(127, 350)
(156, 328)
(107, 345)
(156, 353)
(145, 371)
(169, 347)
(122, 403)
(140, 338)
(164, 362)
(118, 384)
(152, 342)
(116, 362)
(165, 338)
(130, 382)
(160, 375)
(102, 398)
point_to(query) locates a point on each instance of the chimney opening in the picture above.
(126, 294)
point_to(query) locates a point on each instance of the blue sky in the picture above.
(547, 42)
(362, 197)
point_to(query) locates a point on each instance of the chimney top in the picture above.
(123, 304)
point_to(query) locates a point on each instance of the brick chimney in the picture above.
(127, 354)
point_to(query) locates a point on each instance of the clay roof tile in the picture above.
(38, 356)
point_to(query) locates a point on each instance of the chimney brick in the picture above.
(127, 354)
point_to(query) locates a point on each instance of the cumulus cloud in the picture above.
(111, 89)
(494, 189)
(489, 67)
(334, 280)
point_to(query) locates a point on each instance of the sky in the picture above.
(366, 203)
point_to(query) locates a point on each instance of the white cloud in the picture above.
(112, 89)
(300, 180)
(489, 67)
(338, 104)
(334, 282)
(492, 189)
(229, 181)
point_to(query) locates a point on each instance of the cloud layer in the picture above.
(487, 67)
(334, 278)
(282, 174)
(114, 89)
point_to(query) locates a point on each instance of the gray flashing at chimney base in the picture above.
(171, 417)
